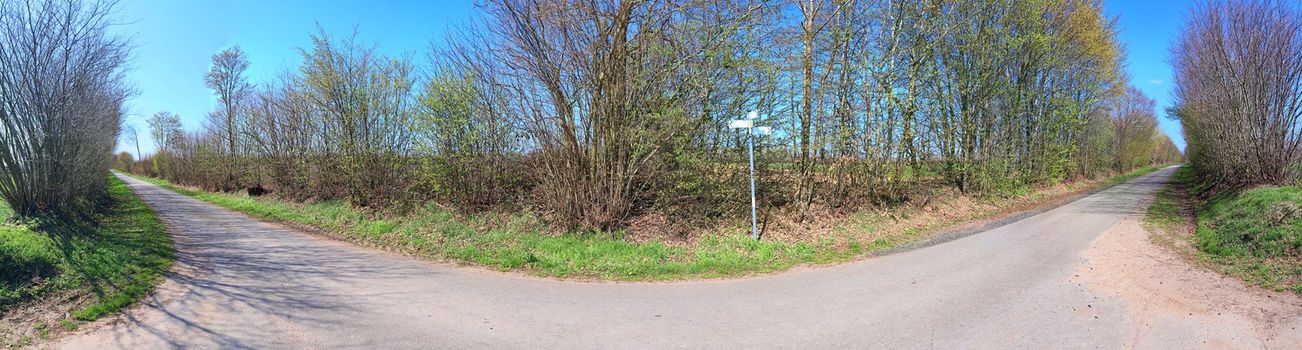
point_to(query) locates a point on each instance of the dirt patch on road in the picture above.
(1175, 303)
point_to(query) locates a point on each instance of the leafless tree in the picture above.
(61, 100)
(129, 132)
(1238, 82)
(226, 79)
(592, 113)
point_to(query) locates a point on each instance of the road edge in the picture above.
(966, 229)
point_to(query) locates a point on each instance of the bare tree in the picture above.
(168, 134)
(129, 131)
(593, 113)
(1238, 82)
(1135, 122)
(226, 79)
(60, 103)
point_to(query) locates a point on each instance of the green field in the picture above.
(113, 261)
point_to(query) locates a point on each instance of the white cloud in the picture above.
(1156, 82)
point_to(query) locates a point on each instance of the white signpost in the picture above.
(751, 130)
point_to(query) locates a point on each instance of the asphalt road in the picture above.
(241, 283)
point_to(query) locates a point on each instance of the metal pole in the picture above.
(750, 146)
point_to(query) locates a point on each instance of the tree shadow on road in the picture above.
(231, 270)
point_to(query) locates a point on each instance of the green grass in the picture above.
(1254, 234)
(521, 242)
(1165, 212)
(1258, 223)
(117, 258)
(25, 258)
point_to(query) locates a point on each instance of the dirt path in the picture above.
(245, 284)
(1177, 305)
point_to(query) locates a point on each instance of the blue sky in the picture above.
(1148, 28)
(175, 40)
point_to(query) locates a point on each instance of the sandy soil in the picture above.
(1174, 303)
(18, 325)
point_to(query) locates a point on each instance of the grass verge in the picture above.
(1255, 234)
(83, 269)
(519, 241)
